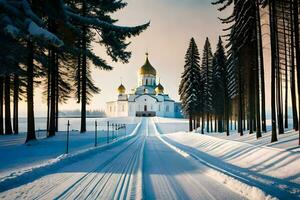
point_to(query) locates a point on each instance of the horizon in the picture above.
(166, 51)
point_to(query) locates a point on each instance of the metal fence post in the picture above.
(96, 138)
(113, 131)
(107, 133)
(68, 130)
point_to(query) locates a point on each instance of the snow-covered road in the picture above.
(142, 167)
(168, 175)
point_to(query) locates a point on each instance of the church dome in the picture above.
(121, 89)
(159, 89)
(147, 68)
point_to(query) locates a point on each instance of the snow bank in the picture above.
(171, 125)
(273, 162)
(231, 181)
(38, 170)
(44, 149)
(288, 141)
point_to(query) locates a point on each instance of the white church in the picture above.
(147, 100)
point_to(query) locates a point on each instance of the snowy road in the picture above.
(142, 167)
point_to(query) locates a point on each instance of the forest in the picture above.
(226, 90)
(50, 45)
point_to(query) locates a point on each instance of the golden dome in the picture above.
(121, 89)
(159, 89)
(147, 68)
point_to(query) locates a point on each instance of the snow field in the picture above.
(248, 191)
(139, 167)
(106, 172)
(31, 172)
(287, 141)
(16, 155)
(147, 165)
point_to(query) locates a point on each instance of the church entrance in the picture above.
(145, 113)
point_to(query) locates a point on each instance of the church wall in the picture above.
(111, 109)
(117, 109)
(169, 109)
(122, 108)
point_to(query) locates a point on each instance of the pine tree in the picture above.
(206, 74)
(220, 88)
(190, 83)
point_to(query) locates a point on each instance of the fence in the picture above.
(112, 131)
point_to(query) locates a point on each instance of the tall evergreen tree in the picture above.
(206, 74)
(220, 87)
(190, 83)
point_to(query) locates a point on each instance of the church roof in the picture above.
(159, 88)
(121, 89)
(147, 68)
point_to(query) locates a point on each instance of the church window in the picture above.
(146, 81)
(158, 107)
(145, 108)
(167, 108)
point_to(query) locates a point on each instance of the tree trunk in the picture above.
(56, 92)
(292, 73)
(256, 75)
(202, 124)
(1, 106)
(220, 125)
(84, 71)
(207, 122)
(240, 106)
(297, 47)
(8, 128)
(278, 80)
(226, 113)
(262, 71)
(273, 68)
(16, 104)
(48, 90)
(30, 102)
(51, 131)
(286, 67)
(190, 123)
(216, 118)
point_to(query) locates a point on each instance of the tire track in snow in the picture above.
(116, 174)
(169, 175)
(106, 167)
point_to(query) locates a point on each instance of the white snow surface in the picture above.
(272, 169)
(149, 165)
(287, 141)
(19, 157)
(142, 166)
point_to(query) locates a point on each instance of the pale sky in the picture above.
(173, 23)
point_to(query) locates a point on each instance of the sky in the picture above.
(173, 23)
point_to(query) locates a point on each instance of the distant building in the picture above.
(148, 99)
